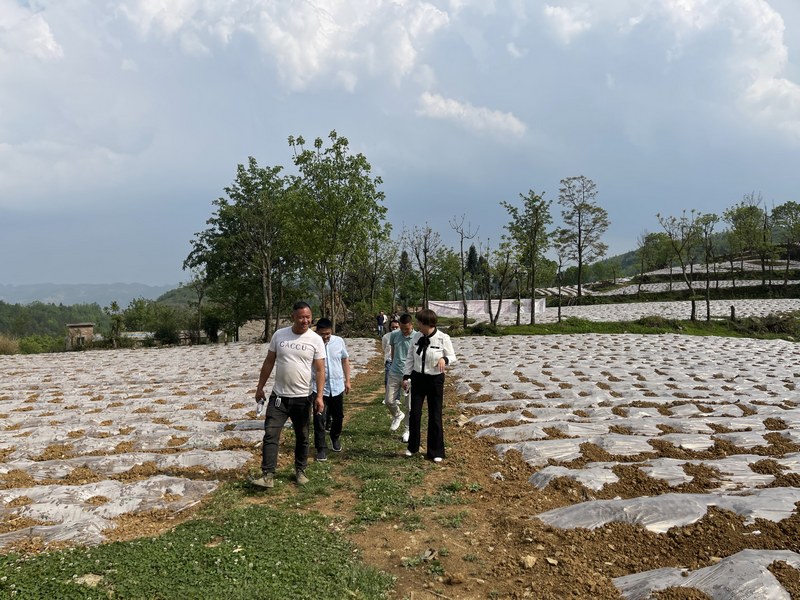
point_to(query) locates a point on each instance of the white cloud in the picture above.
(476, 118)
(25, 32)
(568, 22)
(307, 41)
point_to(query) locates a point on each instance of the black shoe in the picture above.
(322, 455)
(336, 446)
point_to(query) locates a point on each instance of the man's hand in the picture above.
(347, 387)
(319, 405)
(260, 394)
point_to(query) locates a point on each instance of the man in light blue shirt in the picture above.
(399, 343)
(337, 384)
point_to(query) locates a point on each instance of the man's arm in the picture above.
(346, 371)
(266, 371)
(319, 374)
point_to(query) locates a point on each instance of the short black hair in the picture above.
(405, 318)
(427, 317)
(324, 323)
(300, 304)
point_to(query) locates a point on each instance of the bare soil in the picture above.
(490, 545)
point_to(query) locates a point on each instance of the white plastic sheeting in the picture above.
(77, 519)
(743, 576)
(624, 393)
(111, 410)
(660, 513)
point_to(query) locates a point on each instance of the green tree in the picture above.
(337, 192)
(528, 230)
(705, 224)
(425, 245)
(247, 233)
(654, 252)
(117, 322)
(786, 220)
(464, 232)
(503, 269)
(684, 235)
(585, 223)
(747, 221)
(472, 268)
(409, 288)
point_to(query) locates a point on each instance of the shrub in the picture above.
(8, 345)
(484, 328)
(38, 344)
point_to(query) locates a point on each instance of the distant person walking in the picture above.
(399, 343)
(293, 353)
(335, 386)
(381, 319)
(431, 351)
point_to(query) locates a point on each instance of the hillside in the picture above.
(81, 293)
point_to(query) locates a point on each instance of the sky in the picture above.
(121, 121)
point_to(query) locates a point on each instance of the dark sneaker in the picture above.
(322, 455)
(267, 480)
(336, 445)
(301, 477)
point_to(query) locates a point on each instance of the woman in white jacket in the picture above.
(430, 352)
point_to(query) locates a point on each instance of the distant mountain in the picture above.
(81, 293)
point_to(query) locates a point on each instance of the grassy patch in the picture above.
(255, 552)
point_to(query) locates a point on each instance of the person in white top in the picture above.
(430, 352)
(337, 384)
(293, 353)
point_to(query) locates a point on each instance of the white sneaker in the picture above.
(398, 418)
(409, 453)
(437, 459)
(404, 439)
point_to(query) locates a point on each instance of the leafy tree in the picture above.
(247, 233)
(409, 288)
(446, 276)
(336, 190)
(528, 230)
(464, 233)
(683, 235)
(654, 252)
(472, 268)
(786, 220)
(369, 265)
(424, 244)
(503, 269)
(117, 322)
(585, 221)
(705, 232)
(747, 221)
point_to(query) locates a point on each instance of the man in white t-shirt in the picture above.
(293, 353)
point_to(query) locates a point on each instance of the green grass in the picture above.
(252, 552)
(276, 549)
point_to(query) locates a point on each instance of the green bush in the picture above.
(38, 344)
(8, 344)
(484, 328)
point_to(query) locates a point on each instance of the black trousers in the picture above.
(334, 409)
(430, 387)
(296, 409)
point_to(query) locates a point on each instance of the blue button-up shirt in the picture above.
(335, 353)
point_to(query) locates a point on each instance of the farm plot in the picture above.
(88, 437)
(688, 423)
